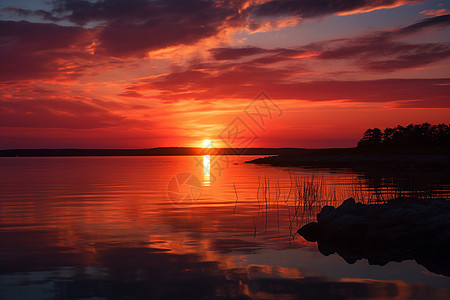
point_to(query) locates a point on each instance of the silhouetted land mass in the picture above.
(161, 151)
(401, 229)
(422, 146)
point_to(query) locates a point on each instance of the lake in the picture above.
(175, 227)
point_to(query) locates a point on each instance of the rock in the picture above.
(442, 219)
(347, 204)
(326, 214)
(390, 218)
(349, 257)
(409, 217)
(310, 231)
(347, 228)
(395, 231)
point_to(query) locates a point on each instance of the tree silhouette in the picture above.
(371, 138)
(413, 136)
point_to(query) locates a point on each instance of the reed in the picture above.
(303, 196)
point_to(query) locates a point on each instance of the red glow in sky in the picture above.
(145, 73)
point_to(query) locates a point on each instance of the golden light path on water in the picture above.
(206, 170)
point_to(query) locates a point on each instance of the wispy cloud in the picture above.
(435, 12)
(309, 9)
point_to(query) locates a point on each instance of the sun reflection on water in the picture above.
(206, 170)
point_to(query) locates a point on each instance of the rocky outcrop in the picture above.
(399, 230)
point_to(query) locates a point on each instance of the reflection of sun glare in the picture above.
(206, 170)
(206, 143)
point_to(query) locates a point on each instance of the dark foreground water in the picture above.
(185, 227)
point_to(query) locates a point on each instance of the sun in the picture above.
(206, 143)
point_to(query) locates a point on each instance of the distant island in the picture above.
(416, 146)
(161, 151)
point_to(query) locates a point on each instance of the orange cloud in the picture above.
(376, 6)
(435, 12)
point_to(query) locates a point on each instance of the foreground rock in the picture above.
(399, 230)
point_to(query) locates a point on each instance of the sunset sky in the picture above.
(145, 73)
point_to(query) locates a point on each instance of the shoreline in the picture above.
(160, 151)
(360, 161)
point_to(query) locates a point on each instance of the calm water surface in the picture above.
(180, 227)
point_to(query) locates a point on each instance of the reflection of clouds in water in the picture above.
(148, 273)
(153, 270)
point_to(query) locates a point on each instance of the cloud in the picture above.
(413, 57)
(46, 15)
(243, 81)
(36, 50)
(135, 27)
(439, 102)
(385, 55)
(241, 72)
(383, 51)
(208, 81)
(435, 12)
(260, 56)
(310, 9)
(28, 105)
(434, 22)
(57, 113)
(236, 53)
(380, 51)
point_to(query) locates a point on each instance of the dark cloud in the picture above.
(385, 90)
(36, 50)
(275, 58)
(132, 28)
(414, 57)
(63, 113)
(236, 53)
(439, 21)
(46, 15)
(418, 27)
(381, 51)
(386, 56)
(439, 102)
(212, 82)
(236, 73)
(245, 80)
(135, 27)
(309, 9)
(266, 56)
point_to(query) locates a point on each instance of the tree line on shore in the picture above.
(422, 135)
